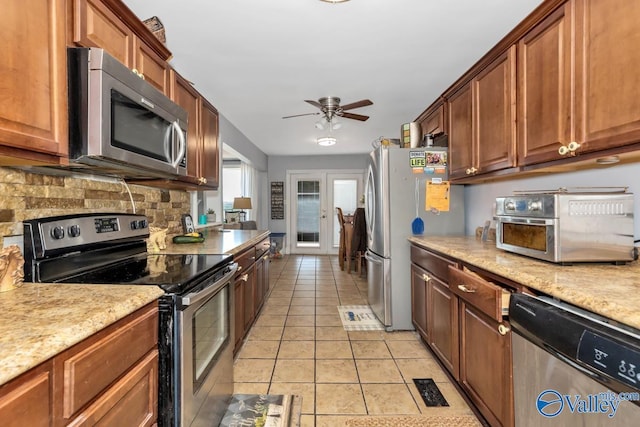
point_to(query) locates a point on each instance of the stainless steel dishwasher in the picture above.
(572, 367)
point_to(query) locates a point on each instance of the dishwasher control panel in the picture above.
(610, 357)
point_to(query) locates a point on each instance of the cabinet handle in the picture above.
(426, 277)
(239, 268)
(503, 330)
(573, 146)
(202, 180)
(463, 288)
(563, 150)
(245, 277)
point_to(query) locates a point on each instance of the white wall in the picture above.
(480, 198)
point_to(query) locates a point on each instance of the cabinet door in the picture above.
(33, 81)
(545, 118)
(154, 69)
(248, 296)
(95, 25)
(238, 306)
(494, 94)
(433, 122)
(485, 365)
(442, 312)
(607, 64)
(419, 300)
(262, 281)
(210, 152)
(188, 98)
(26, 401)
(460, 132)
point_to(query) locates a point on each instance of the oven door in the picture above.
(205, 333)
(533, 237)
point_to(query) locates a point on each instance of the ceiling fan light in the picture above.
(319, 125)
(335, 124)
(326, 141)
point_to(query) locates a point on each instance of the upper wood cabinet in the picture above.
(494, 115)
(432, 121)
(545, 81)
(33, 83)
(202, 134)
(209, 159)
(607, 64)
(109, 25)
(461, 143)
(482, 128)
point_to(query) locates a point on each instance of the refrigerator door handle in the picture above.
(372, 259)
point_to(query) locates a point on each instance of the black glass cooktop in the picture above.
(173, 273)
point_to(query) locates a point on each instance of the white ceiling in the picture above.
(258, 60)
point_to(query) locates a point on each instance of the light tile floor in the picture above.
(298, 346)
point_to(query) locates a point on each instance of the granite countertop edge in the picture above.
(39, 320)
(609, 290)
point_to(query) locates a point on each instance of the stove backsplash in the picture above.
(25, 195)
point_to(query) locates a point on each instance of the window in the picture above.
(231, 184)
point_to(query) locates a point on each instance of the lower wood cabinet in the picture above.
(458, 313)
(110, 378)
(251, 286)
(27, 400)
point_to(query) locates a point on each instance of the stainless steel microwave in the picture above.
(119, 124)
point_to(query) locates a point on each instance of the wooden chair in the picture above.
(341, 247)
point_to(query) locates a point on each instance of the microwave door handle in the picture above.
(182, 144)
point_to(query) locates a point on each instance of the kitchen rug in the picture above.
(414, 421)
(359, 318)
(430, 392)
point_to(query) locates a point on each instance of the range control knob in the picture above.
(510, 205)
(134, 225)
(535, 205)
(74, 230)
(142, 224)
(57, 232)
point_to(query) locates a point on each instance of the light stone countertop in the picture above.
(218, 242)
(610, 290)
(38, 321)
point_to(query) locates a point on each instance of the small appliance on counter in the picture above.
(582, 224)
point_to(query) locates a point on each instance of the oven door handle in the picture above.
(195, 297)
(520, 220)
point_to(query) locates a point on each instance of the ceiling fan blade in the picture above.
(314, 103)
(358, 104)
(300, 115)
(355, 116)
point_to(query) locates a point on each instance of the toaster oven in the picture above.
(566, 226)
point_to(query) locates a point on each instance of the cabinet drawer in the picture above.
(132, 401)
(263, 247)
(431, 262)
(92, 367)
(245, 260)
(485, 296)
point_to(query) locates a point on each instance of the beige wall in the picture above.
(24, 196)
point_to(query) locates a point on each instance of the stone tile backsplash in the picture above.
(25, 195)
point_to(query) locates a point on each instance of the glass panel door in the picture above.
(308, 218)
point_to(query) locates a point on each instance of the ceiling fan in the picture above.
(330, 108)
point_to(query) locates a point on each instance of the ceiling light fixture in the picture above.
(326, 141)
(335, 1)
(335, 124)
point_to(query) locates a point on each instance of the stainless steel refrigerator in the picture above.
(394, 177)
